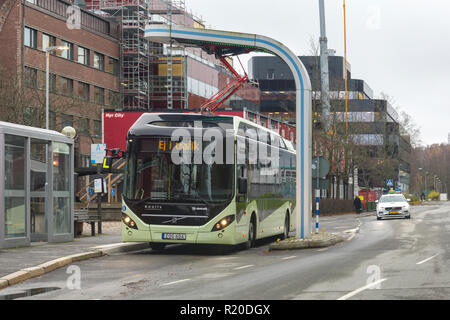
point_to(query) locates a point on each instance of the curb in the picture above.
(46, 267)
(292, 243)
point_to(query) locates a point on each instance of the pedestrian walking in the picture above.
(357, 204)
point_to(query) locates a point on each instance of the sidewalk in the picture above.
(40, 258)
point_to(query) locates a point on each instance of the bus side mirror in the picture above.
(242, 185)
(115, 153)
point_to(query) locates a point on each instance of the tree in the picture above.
(23, 101)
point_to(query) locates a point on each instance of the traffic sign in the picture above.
(390, 182)
(98, 153)
(320, 167)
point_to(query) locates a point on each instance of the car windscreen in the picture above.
(394, 198)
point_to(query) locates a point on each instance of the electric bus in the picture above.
(206, 179)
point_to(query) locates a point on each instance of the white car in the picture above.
(393, 206)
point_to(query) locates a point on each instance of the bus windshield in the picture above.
(152, 176)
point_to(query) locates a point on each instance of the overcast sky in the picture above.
(399, 47)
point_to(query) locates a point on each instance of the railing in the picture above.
(88, 20)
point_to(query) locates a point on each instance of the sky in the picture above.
(398, 47)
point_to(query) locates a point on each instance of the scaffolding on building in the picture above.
(132, 15)
(152, 75)
(168, 77)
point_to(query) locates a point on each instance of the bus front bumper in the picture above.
(188, 235)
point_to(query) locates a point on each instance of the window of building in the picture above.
(30, 37)
(113, 98)
(99, 61)
(30, 77)
(66, 120)
(48, 41)
(52, 120)
(97, 128)
(113, 66)
(83, 91)
(99, 95)
(83, 55)
(66, 86)
(29, 116)
(83, 126)
(68, 53)
(51, 83)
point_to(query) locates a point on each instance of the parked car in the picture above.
(393, 206)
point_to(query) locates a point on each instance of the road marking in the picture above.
(290, 257)
(244, 267)
(427, 259)
(351, 237)
(352, 230)
(355, 292)
(324, 249)
(173, 282)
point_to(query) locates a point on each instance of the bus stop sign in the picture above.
(98, 152)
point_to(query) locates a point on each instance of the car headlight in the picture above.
(128, 221)
(223, 223)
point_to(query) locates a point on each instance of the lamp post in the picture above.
(47, 58)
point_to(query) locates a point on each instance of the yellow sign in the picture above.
(104, 163)
(166, 145)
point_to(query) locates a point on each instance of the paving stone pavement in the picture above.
(14, 259)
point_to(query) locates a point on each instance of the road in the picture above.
(388, 259)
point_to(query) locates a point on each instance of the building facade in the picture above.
(371, 124)
(83, 79)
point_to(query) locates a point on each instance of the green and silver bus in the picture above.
(174, 194)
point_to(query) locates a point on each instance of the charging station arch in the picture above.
(236, 43)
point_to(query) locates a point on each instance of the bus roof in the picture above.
(140, 127)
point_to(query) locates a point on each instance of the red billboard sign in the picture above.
(116, 126)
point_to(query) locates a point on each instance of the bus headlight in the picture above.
(223, 223)
(128, 221)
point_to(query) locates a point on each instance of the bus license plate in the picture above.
(174, 236)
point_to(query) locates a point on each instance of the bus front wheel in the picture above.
(251, 233)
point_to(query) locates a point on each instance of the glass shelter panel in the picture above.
(15, 207)
(38, 195)
(61, 188)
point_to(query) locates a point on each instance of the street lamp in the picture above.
(47, 58)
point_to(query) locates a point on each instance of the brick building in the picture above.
(83, 79)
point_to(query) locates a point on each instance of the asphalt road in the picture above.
(388, 259)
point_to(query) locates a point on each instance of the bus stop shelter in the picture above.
(36, 185)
